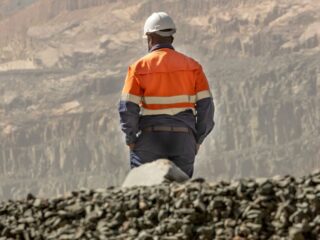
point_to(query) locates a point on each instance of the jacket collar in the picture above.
(161, 45)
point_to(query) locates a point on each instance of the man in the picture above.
(166, 108)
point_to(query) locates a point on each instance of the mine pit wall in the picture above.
(267, 118)
(65, 153)
(268, 124)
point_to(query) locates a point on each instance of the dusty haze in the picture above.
(62, 65)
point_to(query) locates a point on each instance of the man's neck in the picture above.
(161, 45)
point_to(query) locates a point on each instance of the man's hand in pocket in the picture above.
(131, 146)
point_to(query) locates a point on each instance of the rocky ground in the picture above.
(275, 208)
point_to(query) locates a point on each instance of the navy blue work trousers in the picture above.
(178, 147)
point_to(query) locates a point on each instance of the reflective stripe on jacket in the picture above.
(165, 82)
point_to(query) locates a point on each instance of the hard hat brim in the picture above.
(161, 33)
(166, 33)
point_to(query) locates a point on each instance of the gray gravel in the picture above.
(276, 208)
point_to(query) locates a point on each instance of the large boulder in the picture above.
(153, 173)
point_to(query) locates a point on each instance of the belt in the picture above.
(166, 129)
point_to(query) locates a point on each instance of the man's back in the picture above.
(168, 81)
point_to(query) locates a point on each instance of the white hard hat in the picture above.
(158, 22)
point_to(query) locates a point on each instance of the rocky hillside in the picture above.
(62, 65)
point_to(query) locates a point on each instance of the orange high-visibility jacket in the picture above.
(165, 82)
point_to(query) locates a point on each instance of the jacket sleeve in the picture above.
(129, 107)
(204, 107)
(205, 122)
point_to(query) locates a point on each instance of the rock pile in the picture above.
(275, 208)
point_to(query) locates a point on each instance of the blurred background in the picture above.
(63, 64)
